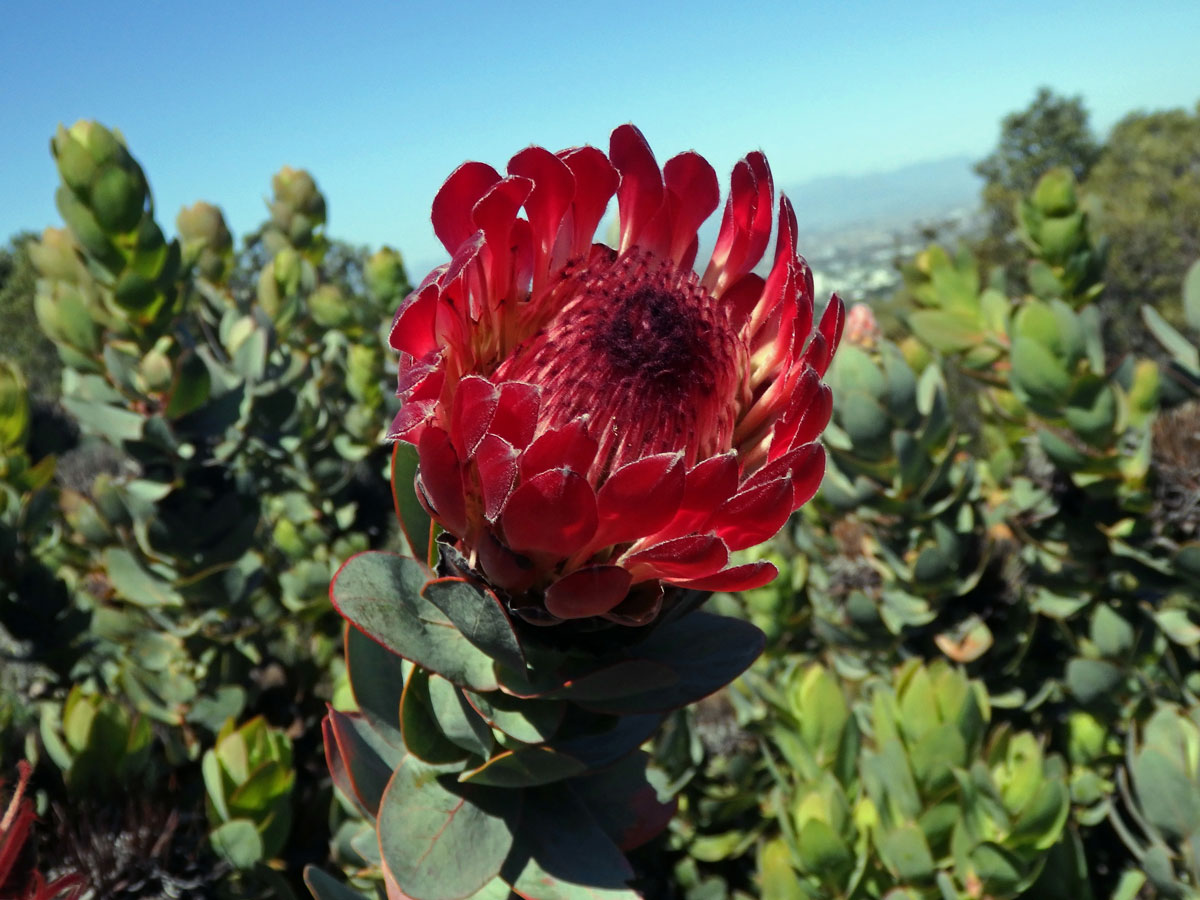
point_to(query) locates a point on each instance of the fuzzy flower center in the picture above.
(645, 353)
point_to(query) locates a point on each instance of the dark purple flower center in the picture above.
(646, 353)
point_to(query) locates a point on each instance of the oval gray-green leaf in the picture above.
(442, 841)
(380, 593)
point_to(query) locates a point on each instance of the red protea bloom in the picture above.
(594, 422)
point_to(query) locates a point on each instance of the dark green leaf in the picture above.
(561, 853)
(526, 767)
(414, 521)
(479, 616)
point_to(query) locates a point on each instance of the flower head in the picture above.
(595, 422)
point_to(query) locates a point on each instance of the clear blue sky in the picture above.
(381, 100)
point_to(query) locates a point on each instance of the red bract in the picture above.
(592, 422)
(16, 824)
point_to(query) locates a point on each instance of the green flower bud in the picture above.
(386, 279)
(207, 243)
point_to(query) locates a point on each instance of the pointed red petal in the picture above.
(641, 190)
(753, 515)
(554, 512)
(760, 226)
(408, 422)
(785, 239)
(736, 578)
(803, 422)
(440, 476)
(452, 206)
(474, 405)
(516, 413)
(496, 460)
(503, 568)
(595, 182)
(693, 183)
(709, 484)
(805, 392)
(592, 591)
(413, 328)
(733, 221)
(687, 557)
(570, 446)
(553, 190)
(639, 498)
(495, 214)
(741, 298)
(829, 335)
(807, 473)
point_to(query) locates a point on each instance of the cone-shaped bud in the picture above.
(386, 278)
(207, 243)
(98, 169)
(298, 207)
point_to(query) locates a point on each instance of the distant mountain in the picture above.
(918, 191)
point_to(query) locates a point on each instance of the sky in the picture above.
(381, 100)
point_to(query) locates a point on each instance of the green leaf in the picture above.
(377, 679)
(361, 755)
(1176, 344)
(380, 593)
(1191, 295)
(456, 719)
(1092, 412)
(864, 421)
(1037, 371)
(265, 786)
(238, 842)
(779, 880)
(414, 521)
(326, 887)
(854, 370)
(1112, 635)
(561, 852)
(998, 869)
(823, 852)
(1041, 822)
(1168, 797)
(947, 332)
(480, 616)
(422, 736)
(705, 651)
(623, 802)
(1092, 679)
(528, 720)
(525, 767)
(112, 423)
(612, 744)
(904, 850)
(133, 583)
(626, 680)
(934, 755)
(441, 840)
(1178, 626)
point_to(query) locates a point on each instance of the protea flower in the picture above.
(594, 423)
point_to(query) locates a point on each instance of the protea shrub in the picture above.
(587, 434)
